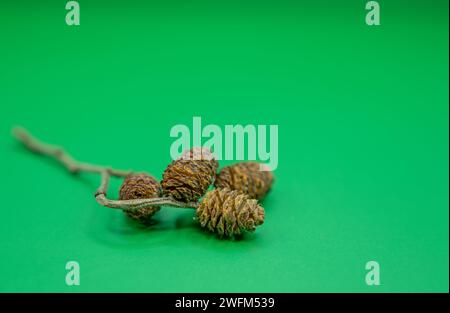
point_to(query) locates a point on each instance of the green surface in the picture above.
(363, 142)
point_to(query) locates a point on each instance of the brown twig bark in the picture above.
(74, 166)
(134, 204)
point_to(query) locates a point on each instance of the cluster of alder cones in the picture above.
(228, 210)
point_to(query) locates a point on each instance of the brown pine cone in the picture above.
(245, 177)
(140, 186)
(229, 212)
(187, 178)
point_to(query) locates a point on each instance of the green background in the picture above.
(363, 142)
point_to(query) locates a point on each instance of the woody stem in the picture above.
(59, 154)
(134, 204)
(74, 166)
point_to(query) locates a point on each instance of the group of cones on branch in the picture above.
(228, 210)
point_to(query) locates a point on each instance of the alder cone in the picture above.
(140, 186)
(245, 177)
(187, 178)
(229, 213)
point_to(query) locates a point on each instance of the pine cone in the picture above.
(140, 186)
(245, 177)
(187, 178)
(229, 212)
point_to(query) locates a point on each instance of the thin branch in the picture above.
(62, 156)
(134, 204)
(75, 166)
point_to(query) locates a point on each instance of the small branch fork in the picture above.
(74, 166)
(135, 204)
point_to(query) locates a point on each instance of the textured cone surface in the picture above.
(187, 178)
(140, 186)
(245, 177)
(229, 212)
